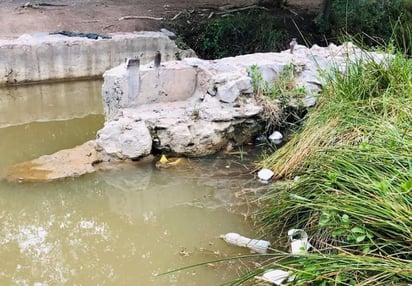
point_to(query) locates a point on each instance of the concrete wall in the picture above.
(55, 57)
(128, 87)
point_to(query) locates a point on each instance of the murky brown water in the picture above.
(119, 227)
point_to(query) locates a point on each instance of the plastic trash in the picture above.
(256, 245)
(276, 137)
(276, 276)
(299, 241)
(265, 175)
(165, 162)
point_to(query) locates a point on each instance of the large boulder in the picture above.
(123, 139)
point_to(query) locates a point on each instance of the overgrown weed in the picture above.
(353, 195)
(277, 97)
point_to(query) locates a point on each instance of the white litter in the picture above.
(256, 245)
(299, 245)
(265, 175)
(299, 241)
(276, 137)
(276, 276)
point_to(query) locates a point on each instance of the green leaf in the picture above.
(407, 186)
(345, 219)
(360, 238)
(323, 220)
(366, 249)
(338, 232)
(357, 229)
(332, 176)
(297, 197)
(369, 235)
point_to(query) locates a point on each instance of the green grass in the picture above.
(353, 157)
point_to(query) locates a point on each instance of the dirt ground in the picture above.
(102, 16)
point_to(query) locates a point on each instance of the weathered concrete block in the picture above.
(173, 81)
(125, 87)
(124, 139)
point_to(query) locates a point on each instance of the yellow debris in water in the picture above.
(163, 160)
(175, 162)
(166, 163)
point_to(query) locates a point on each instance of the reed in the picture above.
(353, 157)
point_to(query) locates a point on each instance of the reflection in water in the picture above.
(118, 227)
(115, 228)
(31, 140)
(46, 102)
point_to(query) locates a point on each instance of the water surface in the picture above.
(118, 227)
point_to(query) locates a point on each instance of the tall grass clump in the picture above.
(352, 164)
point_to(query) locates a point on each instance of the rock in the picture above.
(229, 92)
(168, 33)
(124, 139)
(194, 139)
(309, 101)
(74, 162)
(194, 107)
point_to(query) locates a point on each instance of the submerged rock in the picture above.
(74, 162)
(65, 163)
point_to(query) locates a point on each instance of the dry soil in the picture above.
(102, 16)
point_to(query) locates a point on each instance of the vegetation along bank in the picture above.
(347, 180)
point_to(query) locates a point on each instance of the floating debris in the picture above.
(256, 245)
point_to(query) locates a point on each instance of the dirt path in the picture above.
(102, 16)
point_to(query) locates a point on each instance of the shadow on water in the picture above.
(117, 227)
